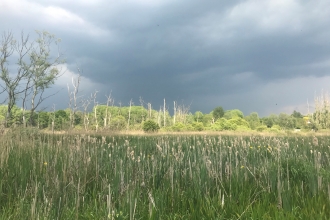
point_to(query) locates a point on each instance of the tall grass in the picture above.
(46, 176)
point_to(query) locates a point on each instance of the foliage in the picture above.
(224, 124)
(150, 126)
(61, 120)
(118, 119)
(286, 121)
(218, 112)
(43, 119)
(270, 120)
(296, 114)
(207, 120)
(178, 127)
(198, 116)
(274, 129)
(118, 123)
(277, 127)
(35, 68)
(321, 116)
(198, 126)
(235, 113)
(253, 120)
(261, 128)
(239, 122)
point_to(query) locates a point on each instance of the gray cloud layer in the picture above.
(255, 55)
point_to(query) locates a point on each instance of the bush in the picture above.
(224, 124)
(242, 128)
(118, 123)
(179, 127)
(261, 128)
(150, 126)
(198, 126)
(240, 122)
(275, 129)
(189, 127)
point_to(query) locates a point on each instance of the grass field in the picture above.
(80, 176)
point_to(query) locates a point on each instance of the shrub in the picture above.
(150, 126)
(261, 128)
(198, 126)
(275, 129)
(240, 122)
(242, 128)
(179, 127)
(118, 123)
(223, 124)
(190, 127)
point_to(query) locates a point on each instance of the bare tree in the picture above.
(149, 110)
(107, 116)
(85, 105)
(53, 118)
(73, 106)
(164, 113)
(159, 115)
(142, 105)
(174, 109)
(181, 112)
(93, 96)
(129, 113)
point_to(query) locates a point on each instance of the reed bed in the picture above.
(46, 176)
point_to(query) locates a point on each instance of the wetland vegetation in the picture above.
(84, 176)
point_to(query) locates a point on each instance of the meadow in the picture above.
(165, 176)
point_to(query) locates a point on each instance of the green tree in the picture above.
(43, 119)
(16, 116)
(286, 121)
(43, 70)
(138, 114)
(235, 113)
(275, 128)
(35, 68)
(299, 120)
(217, 113)
(179, 127)
(61, 120)
(223, 124)
(253, 120)
(296, 114)
(150, 126)
(197, 126)
(207, 120)
(3, 110)
(239, 123)
(261, 128)
(118, 123)
(270, 120)
(198, 116)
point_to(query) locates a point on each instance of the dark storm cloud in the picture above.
(206, 53)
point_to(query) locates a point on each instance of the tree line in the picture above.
(116, 118)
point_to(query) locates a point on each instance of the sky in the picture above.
(265, 56)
